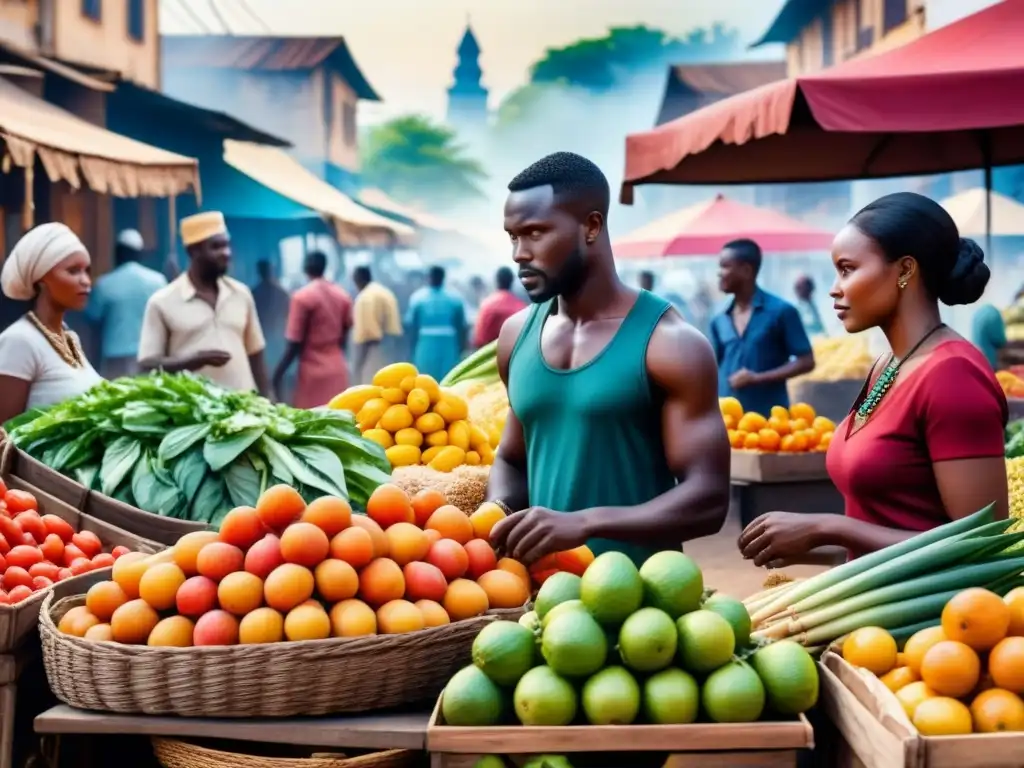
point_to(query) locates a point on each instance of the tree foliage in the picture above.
(417, 161)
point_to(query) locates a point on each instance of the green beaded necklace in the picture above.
(885, 381)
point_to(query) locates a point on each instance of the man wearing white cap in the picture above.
(205, 321)
(118, 303)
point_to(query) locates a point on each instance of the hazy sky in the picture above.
(406, 48)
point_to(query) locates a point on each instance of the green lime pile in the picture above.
(621, 645)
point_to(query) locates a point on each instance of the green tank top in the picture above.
(593, 433)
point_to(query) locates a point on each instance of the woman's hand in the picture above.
(777, 539)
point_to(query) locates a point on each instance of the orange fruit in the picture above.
(465, 599)
(1005, 664)
(485, 518)
(279, 506)
(898, 677)
(133, 621)
(504, 589)
(768, 439)
(380, 541)
(450, 557)
(730, 422)
(516, 568)
(976, 617)
(799, 442)
(1015, 599)
(381, 581)
(872, 648)
(797, 424)
(997, 711)
(388, 505)
(101, 632)
(751, 422)
(942, 716)
(77, 621)
(304, 544)
(912, 694)
(406, 543)
(736, 438)
(336, 580)
(217, 559)
(353, 618)
(434, 614)
(951, 668)
(240, 593)
(452, 523)
(780, 426)
(825, 442)
(103, 598)
(481, 558)
(129, 568)
(172, 632)
(822, 425)
(353, 545)
(730, 406)
(397, 617)
(330, 514)
(264, 625)
(802, 411)
(918, 644)
(159, 585)
(186, 550)
(287, 586)
(812, 437)
(752, 441)
(242, 527)
(307, 622)
(425, 503)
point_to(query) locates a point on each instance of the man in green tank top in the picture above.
(614, 408)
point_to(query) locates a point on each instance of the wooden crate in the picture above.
(45, 479)
(757, 467)
(165, 530)
(878, 734)
(701, 745)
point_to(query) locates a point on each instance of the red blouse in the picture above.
(949, 407)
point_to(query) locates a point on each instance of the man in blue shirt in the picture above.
(437, 328)
(118, 304)
(759, 339)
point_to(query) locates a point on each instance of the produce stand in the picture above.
(877, 734)
(700, 745)
(794, 482)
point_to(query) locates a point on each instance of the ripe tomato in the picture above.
(24, 556)
(72, 553)
(4, 546)
(19, 593)
(3, 563)
(80, 566)
(88, 542)
(3, 489)
(30, 522)
(41, 582)
(10, 530)
(119, 550)
(4, 599)
(103, 560)
(64, 573)
(15, 576)
(53, 548)
(28, 539)
(19, 501)
(49, 570)
(59, 526)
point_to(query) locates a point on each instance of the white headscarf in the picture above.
(39, 250)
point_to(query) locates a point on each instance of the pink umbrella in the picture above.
(702, 229)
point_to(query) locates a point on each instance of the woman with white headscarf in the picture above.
(41, 361)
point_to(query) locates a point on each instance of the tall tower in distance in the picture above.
(467, 97)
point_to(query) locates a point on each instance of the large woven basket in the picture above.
(312, 677)
(173, 753)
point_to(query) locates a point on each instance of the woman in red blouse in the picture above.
(923, 444)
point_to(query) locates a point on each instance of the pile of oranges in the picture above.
(797, 429)
(965, 675)
(285, 570)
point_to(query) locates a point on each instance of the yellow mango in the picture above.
(429, 385)
(448, 459)
(439, 438)
(486, 455)
(429, 422)
(472, 458)
(371, 413)
(354, 398)
(380, 436)
(451, 407)
(477, 437)
(403, 455)
(429, 454)
(458, 435)
(392, 375)
(494, 436)
(418, 402)
(394, 395)
(408, 384)
(396, 417)
(409, 436)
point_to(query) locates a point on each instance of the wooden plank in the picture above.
(757, 467)
(8, 697)
(402, 730)
(756, 759)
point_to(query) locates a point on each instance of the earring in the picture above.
(902, 283)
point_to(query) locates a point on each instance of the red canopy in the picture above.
(950, 100)
(703, 229)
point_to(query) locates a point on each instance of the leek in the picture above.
(762, 598)
(904, 633)
(479, 362)
(927, 607)
(866, 562)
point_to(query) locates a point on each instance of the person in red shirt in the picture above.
(496, 309)
(923, 443)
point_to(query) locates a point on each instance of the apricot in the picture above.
(172, 632)
(330, 514)
(434, 614)
(425, 503)
(424, 581)
(99, 632)
(264, 625)
(381, 581)
(264, 556)
(76, 621)
(353, 618)
(336, 580)
(217, 559)
(198, 595)
(240, 592)
(380, 541)
(397, 617)
(353, 545)
(504, 589)
(133, 621)
(103, 598)
(242, 527)
(159, 585)
(389, 504)
(450, 557)
(465, 599)
(287, 586)
(406, 543)
(279, 506)
(516, 568)
(215, 628)
(304, 544)
(307, 622)
(485, 518)
(432, 535)
(452, 523)
(481, 558)
(128, 572)
(186, 550)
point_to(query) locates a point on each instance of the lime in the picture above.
(611, 588)
(472, 698)
(543, 697)
(671, 697)
(558, 588)
(672, 582)
(733, 694)
(573, 644)
(567, 607)
(706, 641)
(531, 621)
(733, 611)
(647, 640)
(489, 761)
(790, 676)
(504, 650)
(611, 697)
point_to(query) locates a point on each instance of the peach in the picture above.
(353, 545)
(330, 514)
(217, 559)
(264, 625)
(504, 589)
(336, 580)
(432, 536)
(242, 527)
(380, 541)
(406, 543)
(398, 617)
(186, 550)
(103, 598)
(450, 557)
(198, 595)
(76, 621)
(172, 632)
(264, 556)
(304, 544)
(481, 558)
(216, 628)
(425, 503)
(159, 585)
(306, 622)
(128, 572)
(240, 592)
(434, 614)
(353, 618)
(287, 586)
(280, 505)
(452, 523)
(424, 581)
(389, 504)
(133, 621)
(381, 581)
(465, 599)
(99, 632)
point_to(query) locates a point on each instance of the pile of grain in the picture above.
(465, 486)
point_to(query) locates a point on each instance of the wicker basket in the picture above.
(312, 677)
(173, 753)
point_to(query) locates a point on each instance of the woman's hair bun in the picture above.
(966, 283)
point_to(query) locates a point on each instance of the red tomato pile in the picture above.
(38, 550)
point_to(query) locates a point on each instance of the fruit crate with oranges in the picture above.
(787, 445)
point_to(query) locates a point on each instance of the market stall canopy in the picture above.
(950, 100)
(968, 211)
(702, 229)
(277, 170)
(74, 150)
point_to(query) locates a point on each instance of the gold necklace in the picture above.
(64, 344)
